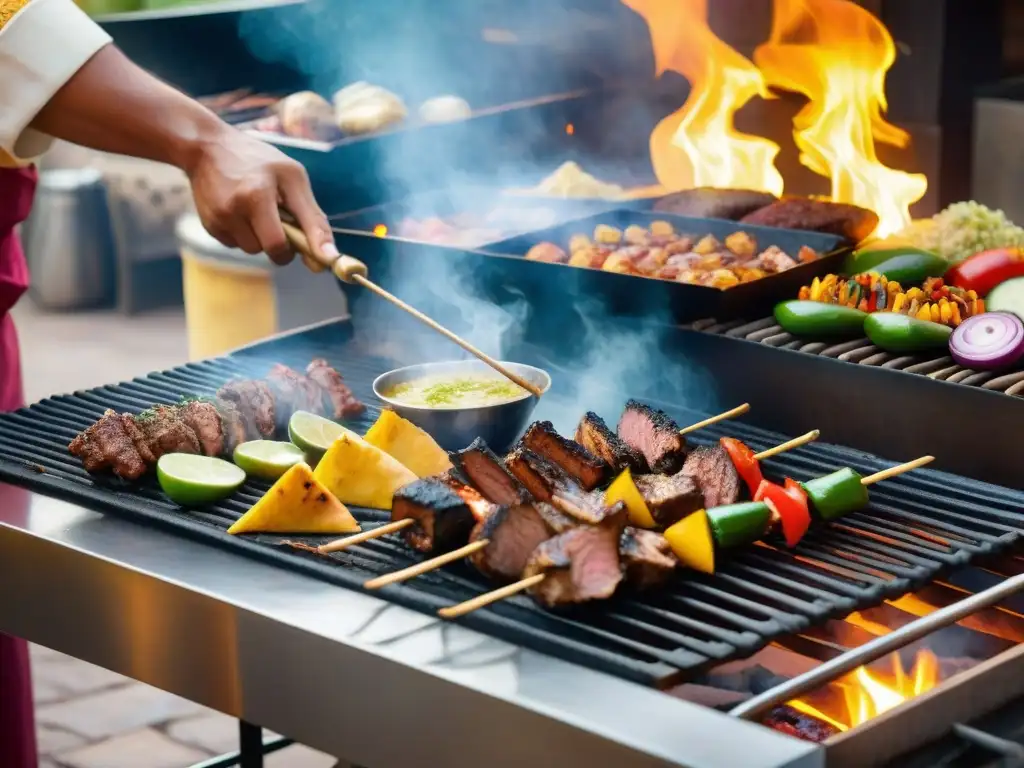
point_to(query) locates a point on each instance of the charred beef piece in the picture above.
(792, 722)
(343, 403)
(847, 221)
(594, 435)
(670, 498)
(443, 518)
(716, 475)
(513, 534)
(478, 505)
(712, 203)
(575, 460)
(482, 468)
(109, 444)
(579, 565)
(646, 558)
(557, 521)
(165, 431)
(232, 424)
(202, 417)
(255, 403)
(547, 482)
(654, 434)
(295, 392)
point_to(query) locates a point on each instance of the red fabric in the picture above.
(17, 727)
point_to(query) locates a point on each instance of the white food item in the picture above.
(445, 109)
(363, 108)
(569, 180)
(305, 114)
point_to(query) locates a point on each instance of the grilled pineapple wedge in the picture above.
(413, 447)
(361, 474)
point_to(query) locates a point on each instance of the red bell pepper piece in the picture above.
(791, 504)
(984, 271)
(742, 458)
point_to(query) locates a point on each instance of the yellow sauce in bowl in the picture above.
(456, 392)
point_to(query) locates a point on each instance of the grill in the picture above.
(918, 526)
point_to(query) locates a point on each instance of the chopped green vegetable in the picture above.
(837, 494)
(895, 332)
(908, 268)
(815, 319)
(737, 525)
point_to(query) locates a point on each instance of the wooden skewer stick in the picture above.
(351, 270)
(454, 611)
(789, 445)
(381, 530)
(739, 410)
(427, 565)
(899, 469)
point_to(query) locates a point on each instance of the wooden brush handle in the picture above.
(346, 268)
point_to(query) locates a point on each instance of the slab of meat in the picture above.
(232, 424)
(164, 431)
(579, 565)
(202, 417)
(712, 203)
(847, 221)
(654, 434)
(295, 392)
(670, 498)
(255, 403)
(716, 475)
(594, 435)
(579, 463)
(478, 505)
(547, 482)
(557, 521)
(646, 558)
(443, 519)
(110, 443)
(513, 534)
(482, 468)
(344, 404)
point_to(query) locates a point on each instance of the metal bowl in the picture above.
(499, 425)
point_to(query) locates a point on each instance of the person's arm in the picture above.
(60, 77)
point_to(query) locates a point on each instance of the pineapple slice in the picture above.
(413, 447)
(362, 474)
(297, 503)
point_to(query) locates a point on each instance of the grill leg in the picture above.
(250, 745)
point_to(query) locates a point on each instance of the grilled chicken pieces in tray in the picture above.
(243, 409)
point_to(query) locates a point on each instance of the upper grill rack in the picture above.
(917, 526)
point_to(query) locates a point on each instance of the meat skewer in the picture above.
(818, 489)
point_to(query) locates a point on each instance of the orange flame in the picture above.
(713, 153)
(837, 55)
(866, 694)
(380, 230)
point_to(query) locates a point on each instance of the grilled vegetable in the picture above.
(988, 342)
(908, 267)
(902, 333)
(737, 525)
(692, 542)
(789, 502)
(1007, 297)
(984, 271)
(836, 494)
(624, 489)
(938, 302)
(743, 459)
(818, 320)
(868, 292)
(867, 258)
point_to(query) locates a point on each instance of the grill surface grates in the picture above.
(917, 526)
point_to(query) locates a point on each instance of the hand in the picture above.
(239, 182)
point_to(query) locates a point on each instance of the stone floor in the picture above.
(89, 717)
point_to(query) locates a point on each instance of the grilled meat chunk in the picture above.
(646, 558)
(343, 403)
(547, 482)
(513, 534)
(716, 475)
(294, 392)
(579, 463)
(792, 722)
(847, 221)
(579, 565)
(443, 518)
(594, 435)
(655, 435)
(557, 521)
(255, 403)
(202, 417)
(670, 498)
(108, 444)
(165, 431)
(712, 203)
(232, 424)
(485, 472)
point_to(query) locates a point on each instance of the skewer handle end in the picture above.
(349, 269)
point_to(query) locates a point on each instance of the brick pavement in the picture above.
(89, 717)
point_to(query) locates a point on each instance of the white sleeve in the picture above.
(41, 48)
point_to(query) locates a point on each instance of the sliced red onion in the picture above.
(988, 341)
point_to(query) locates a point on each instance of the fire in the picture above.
(698, 146)
(837, 55)
(380, 230)
(863, 694)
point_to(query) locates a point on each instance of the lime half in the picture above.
(268, 459)
(314, 434)
(192, 480)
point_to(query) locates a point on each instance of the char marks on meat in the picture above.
(482, 468)
(654, 434)
(344, 404)
(294, 392)
(513, 534)
(108, 444)
(594, 435)
(646, 558)
(574, 459)
(443, 518)
(203, 418)
(716, 475)
(165, 432)
(255, 403)
(547, 482)
(581, 564)
(670, 498)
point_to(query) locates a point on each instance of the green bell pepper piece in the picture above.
(894, 332)
(814, 319)
(736, 525)
(837, 494)
(869, 260)
(910, 269)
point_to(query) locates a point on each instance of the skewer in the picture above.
(796, 442)
(381, 530)
(739, 410)
(481, 601)
(350, 270)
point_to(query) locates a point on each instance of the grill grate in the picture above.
(863, 352)
(917, 526)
